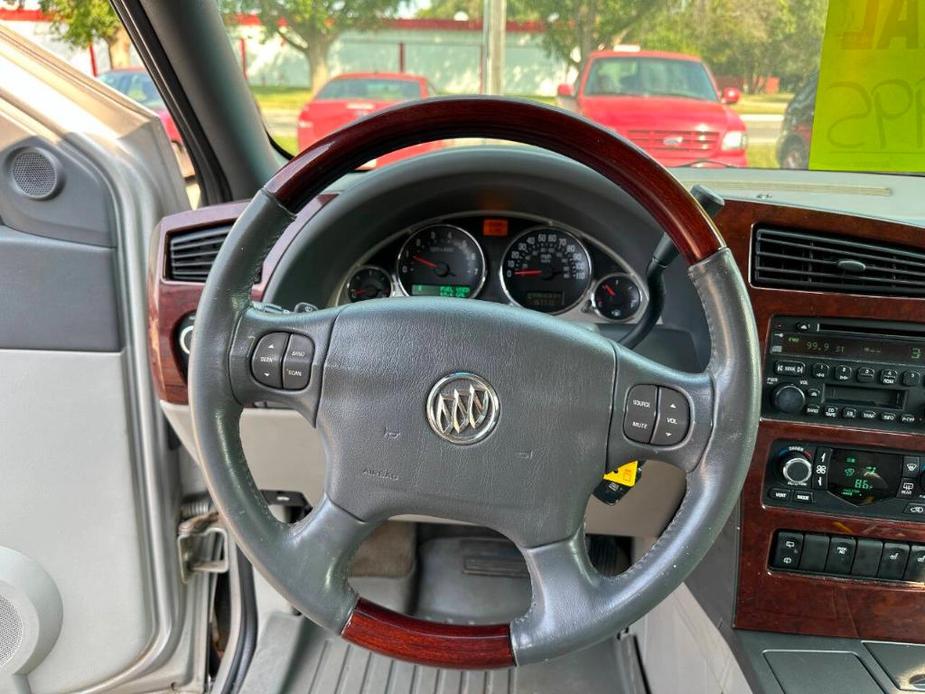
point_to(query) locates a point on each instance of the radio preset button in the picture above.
(865, 374)
(888, 416)
(888, 377)
(849, 413)
(907, 418)
(911, 378)
(820, 370)
(789, 368)
(868, 414)
(843, 373)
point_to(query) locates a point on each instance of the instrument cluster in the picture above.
(517, 259)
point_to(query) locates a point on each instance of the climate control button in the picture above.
(796, 468)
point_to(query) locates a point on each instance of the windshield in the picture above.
(792, 84)
(650, 77)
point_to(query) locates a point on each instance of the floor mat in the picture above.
(297, 657)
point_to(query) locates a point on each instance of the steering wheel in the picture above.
(472, 411)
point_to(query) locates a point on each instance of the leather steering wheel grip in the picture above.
(594, 606)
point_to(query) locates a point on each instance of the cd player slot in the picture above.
(870, 397)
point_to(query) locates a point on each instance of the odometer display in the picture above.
(441, 260)
(546, 269)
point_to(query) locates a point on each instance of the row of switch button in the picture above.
(844, 373)
(281, 360)
(656, 415)
(848, 556)
(833, 412)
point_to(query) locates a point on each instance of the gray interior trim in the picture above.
(61, 295)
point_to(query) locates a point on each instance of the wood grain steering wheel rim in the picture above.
(301, 180)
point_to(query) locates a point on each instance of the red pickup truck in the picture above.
(667, 103)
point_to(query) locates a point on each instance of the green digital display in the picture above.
(452, 291)
(862, 477)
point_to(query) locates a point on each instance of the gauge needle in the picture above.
(424, 261)
(609, 290)
(527, 273)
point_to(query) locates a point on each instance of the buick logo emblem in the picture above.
(462, 408)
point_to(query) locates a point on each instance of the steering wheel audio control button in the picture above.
(674, 418)
(297, 364)
(639, 419)
(267, 361)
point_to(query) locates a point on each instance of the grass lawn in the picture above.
(762, 156)
(281, 98)
(287, 142)
(763, 103)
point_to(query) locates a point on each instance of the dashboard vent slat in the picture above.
(190, 254)
(813, 262)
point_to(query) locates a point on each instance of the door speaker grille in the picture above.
(36, 173)
(11, 631)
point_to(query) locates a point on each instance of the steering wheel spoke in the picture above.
(277, 356)
(659, 413)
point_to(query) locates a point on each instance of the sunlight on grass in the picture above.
(762, 156)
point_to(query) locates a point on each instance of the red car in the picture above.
(353, 95)
(137, 85)
(667, 103)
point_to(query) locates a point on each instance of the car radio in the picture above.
(852, 372)
(858, 481)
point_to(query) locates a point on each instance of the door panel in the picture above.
(89, 489)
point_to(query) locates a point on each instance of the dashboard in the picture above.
(512, 258)
(831, 526)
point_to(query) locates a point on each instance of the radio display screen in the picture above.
(862, 477)
(853, 348)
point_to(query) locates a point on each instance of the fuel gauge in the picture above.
(616, 297)
(369, 282)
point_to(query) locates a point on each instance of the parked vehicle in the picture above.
(797, 129)
(667, 103)
(354, 95)
(137, 85)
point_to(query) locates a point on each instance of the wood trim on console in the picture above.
(169, 301)
(771, 600)
(458, 646)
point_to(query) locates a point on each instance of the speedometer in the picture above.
(441, 260)
(546, 269)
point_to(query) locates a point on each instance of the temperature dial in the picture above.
(616, 297)
(796, 467)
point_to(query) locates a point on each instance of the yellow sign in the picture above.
(870, 102)
(625, 474)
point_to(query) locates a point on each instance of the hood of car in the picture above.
(626, 113)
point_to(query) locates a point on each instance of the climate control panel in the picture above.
(853, 481)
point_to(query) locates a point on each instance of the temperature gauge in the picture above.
(369, 282)
(616, 297)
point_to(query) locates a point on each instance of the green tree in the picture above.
(82, 22)
(752, 40)
(575, 28)
(312, 26)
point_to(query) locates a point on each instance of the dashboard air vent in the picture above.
(190, 254)
(812, 262)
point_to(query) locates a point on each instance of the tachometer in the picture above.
(368, 282)
(441, 260)
(546, 269)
